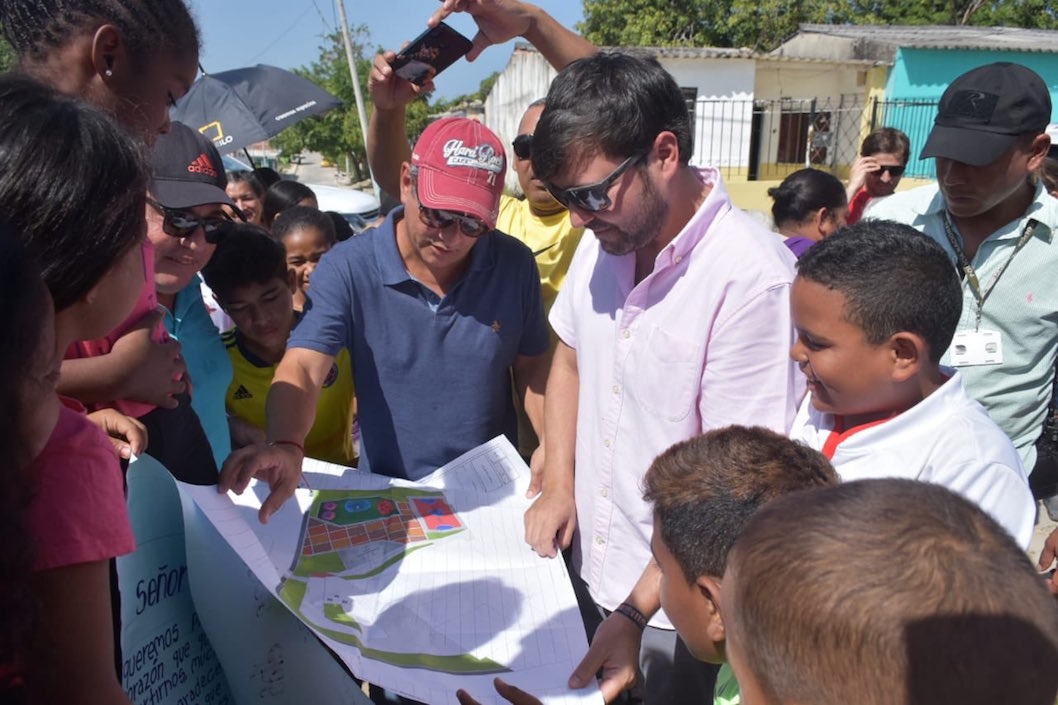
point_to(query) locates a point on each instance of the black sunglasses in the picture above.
(178, 223)
(894, 171)
(593, 198)
(523, 146)
(436, 218)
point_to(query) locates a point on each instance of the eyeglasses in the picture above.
(178, 223)
(436, 218)
(523, 146)
(894, 171)
(593, 198)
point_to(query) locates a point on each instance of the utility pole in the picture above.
(360, 111)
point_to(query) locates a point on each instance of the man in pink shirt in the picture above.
(674, 319)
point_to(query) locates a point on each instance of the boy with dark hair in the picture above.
(875, 306)
(704, 491)
(947, 610)
(877, 172)
(250, 280)
(997, 223)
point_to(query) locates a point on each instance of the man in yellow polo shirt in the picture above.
(538, 219)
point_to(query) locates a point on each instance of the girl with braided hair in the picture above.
(133, 58)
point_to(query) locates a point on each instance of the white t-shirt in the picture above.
(947, 439)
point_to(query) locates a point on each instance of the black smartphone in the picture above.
(431, 53)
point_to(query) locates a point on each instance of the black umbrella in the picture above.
(240, 107)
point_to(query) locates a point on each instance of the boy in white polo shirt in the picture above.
(875, 306)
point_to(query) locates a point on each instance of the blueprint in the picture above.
(421, 588)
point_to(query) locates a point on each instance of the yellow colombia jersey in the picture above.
(552, 238)
(331, 436)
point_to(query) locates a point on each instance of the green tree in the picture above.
(764, 24)
(337, 134)
(477, 96)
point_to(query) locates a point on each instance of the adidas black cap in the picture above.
(187, 170)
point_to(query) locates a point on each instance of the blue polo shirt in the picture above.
(432, 374)
(208, 364)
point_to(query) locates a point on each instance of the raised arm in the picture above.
(291, 409)
(502, 20)
(387, 137)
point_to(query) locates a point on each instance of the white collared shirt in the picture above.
(1023, 308)
(947, 439)
(702, 342)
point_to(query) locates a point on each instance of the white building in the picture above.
(755, 115)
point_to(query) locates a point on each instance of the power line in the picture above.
(328, 25)
(287, 31)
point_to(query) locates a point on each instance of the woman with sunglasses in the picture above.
(883, 158)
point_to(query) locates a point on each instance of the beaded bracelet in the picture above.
(295, 444)
(633, 614)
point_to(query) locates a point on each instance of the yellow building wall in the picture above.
(753, 195)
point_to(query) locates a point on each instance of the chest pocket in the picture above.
(664, 374)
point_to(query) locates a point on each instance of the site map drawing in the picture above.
(421, 588)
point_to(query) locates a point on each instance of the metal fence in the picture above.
(768, 139)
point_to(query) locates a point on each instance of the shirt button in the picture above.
(599, 540)
(627, 334)
(605, 492)
(679, 258)
(616, 389)
(607, 443)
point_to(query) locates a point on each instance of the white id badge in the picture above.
(977, 347)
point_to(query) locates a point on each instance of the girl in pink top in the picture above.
(84, 229)
(134, 59)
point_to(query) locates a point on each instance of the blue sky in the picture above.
(287, 33)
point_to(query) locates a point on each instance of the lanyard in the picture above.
(968, 270)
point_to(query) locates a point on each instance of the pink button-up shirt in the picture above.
(700, 343)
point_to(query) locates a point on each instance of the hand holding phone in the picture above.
(430, 53)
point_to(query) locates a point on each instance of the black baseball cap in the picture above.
(985, 110)
(187, 170)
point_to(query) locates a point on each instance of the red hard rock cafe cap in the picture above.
(461, 165)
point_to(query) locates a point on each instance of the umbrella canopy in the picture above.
(239, 107)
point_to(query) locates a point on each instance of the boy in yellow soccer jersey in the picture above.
(250, 280)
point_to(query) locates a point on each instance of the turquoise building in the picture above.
(922, 61)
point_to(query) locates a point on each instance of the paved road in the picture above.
(309, 171)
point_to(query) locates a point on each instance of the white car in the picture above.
(357, 207)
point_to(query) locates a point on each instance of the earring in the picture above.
(109, 73)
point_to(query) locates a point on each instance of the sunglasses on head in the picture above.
(894, 171)
(592, 198)
(179, 223)
(523, 146)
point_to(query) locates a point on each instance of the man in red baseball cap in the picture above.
(437, 309)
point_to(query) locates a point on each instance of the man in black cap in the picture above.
(997, 222)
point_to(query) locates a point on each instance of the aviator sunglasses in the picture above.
(441, 219)
(436, 218)
(178, 223)
(593, 198)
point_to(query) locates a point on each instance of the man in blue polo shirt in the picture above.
(437, 309)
